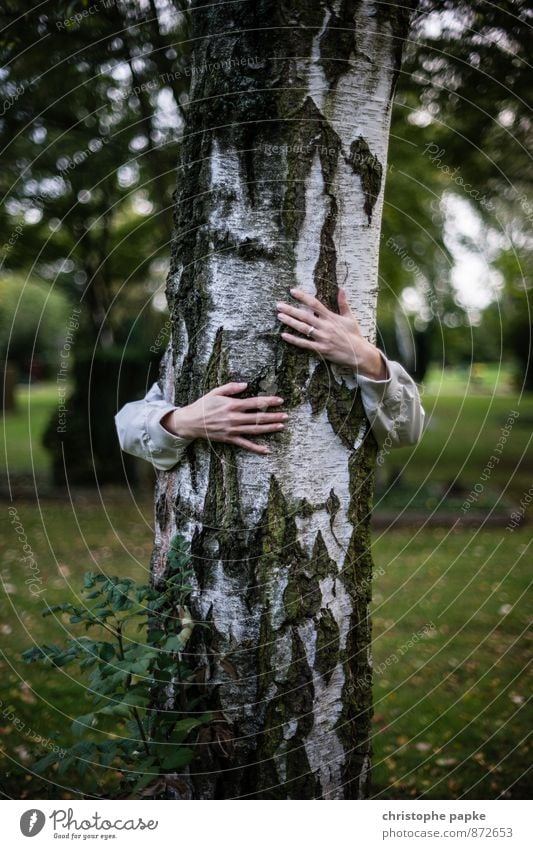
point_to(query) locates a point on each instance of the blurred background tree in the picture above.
(461, 131)
(90, 124)
(92, 97)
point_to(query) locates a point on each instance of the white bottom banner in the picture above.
(267, 824)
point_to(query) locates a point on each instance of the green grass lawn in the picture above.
(67, 539)
(463, 430)
(450, 712)
(451, 701)
(450, 639)
(21, 434)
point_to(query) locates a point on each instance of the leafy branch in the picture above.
(131, 680)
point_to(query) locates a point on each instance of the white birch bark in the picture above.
(280, 542)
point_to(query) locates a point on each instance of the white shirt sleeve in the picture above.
(393, 406)
(141, 433)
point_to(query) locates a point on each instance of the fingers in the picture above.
(300, 319)
(229, 389)
(310, 301)
(259, 428)
(302, 343)
(295, 312)
(301, 326)
(244, 418)
(248, 445)
(344, 306)
(257, 403)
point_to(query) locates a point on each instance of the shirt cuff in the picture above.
(377, 390)
(165, 447)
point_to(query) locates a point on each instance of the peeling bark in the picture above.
(280, 183)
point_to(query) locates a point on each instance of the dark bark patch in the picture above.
(321, 563)
(369, 169)
(292, 376)
(343, 405)
(332, 507)
(327, 644)
(309, 134)
(325, 273)
(213, 375)
(222, 519)
(399, 17)
(302, 595)
(246, 248)
(345, 413)
(277, 535)
(337, 42)
(319, 388)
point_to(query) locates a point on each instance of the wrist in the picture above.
(178, 423)
(372, 364)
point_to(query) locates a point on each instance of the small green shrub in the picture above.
(129, 679)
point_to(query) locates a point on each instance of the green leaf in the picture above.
(173, 644)
(136, 699)
(64, 764)
(176, 757)
(118, 709)
(106, 651)
(94, 594)
(107, 758)
(162, 676)
(142, 782)
(146, 764)
(44, 763)
(51, 608)
(89, 579)
(82, 723)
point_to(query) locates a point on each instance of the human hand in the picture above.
(220, 417)
(336, 337)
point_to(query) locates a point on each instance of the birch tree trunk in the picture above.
(280, 184)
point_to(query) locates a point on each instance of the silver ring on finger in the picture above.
(311, 330)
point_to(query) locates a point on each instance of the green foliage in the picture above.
(33, 321)
(460, 126)
(88, 173)
(129, 680)
(514, 265)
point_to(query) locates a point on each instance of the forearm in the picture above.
(183, 423)
(368, 361)
(393, 406)
(141, 433)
